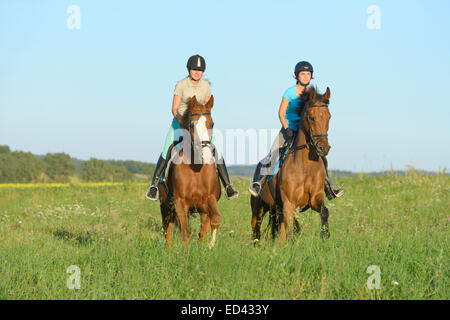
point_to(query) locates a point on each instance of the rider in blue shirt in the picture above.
(289, 119)
(291, 115)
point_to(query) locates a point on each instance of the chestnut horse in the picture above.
(192, 181)
(299, 183)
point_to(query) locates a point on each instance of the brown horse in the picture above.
(192, 182)
(301, 177)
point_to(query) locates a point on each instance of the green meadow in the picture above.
(114, 236)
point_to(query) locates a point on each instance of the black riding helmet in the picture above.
(196, 62)
(303, 66)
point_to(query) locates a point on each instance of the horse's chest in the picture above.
(194, 185)
(298, 192)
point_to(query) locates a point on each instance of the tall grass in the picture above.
(114, 235)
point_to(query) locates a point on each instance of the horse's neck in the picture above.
(301, 138)
(301, 155)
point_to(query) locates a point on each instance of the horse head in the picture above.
(199, 123)
(314, 119)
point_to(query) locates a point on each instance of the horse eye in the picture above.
(312, 119)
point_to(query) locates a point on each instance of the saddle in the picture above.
(177, 145)
(287, 148)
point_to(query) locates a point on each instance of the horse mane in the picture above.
(184, 119)
(306, 102)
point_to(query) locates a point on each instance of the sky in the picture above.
(105, 89)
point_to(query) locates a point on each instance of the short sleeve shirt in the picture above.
(185, 89)
(291, 115)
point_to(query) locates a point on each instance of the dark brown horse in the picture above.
(299, 183)
(192, 182)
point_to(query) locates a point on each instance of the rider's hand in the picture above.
(289, 132)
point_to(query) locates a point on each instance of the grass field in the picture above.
(114, 236)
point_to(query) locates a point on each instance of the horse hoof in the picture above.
(325, 235)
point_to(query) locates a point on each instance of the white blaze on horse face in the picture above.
(201, 133)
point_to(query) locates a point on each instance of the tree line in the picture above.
(24, 167)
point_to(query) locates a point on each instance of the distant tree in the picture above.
(4, 149)
(7, 168)
(58, 167)
(135, 166)
(20, 167)
(30, 166)
(99, 170)
(122, 174)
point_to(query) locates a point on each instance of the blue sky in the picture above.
(105, 90)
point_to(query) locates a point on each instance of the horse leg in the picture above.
(168, 229)
(258, 213)
(169, 234)
(287, 222)
(205, 226)
(318, 205)
(297, 227)
(182, 218)
(215, 219)
(167, 220)
(275, 219)
(324, 230)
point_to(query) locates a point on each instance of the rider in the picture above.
(192, 85)
(289, 119)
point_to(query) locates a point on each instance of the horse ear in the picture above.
(210, 103)
(193, 100)
(327, 94)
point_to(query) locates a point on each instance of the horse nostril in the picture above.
(324, 150)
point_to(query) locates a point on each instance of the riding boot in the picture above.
(152, 192)
(223, 174)
(257, 186)
(331, 190)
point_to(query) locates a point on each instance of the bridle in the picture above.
(314, 138)
(204, 143)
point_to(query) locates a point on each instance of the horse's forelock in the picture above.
(306, 100)
(193, 106)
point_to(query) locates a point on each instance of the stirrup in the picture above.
(235, 195)
(337, 191)
(252, 191)
(156, 195)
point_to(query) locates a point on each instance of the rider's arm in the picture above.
(175, 104)
(208, 94)
(281, 113)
